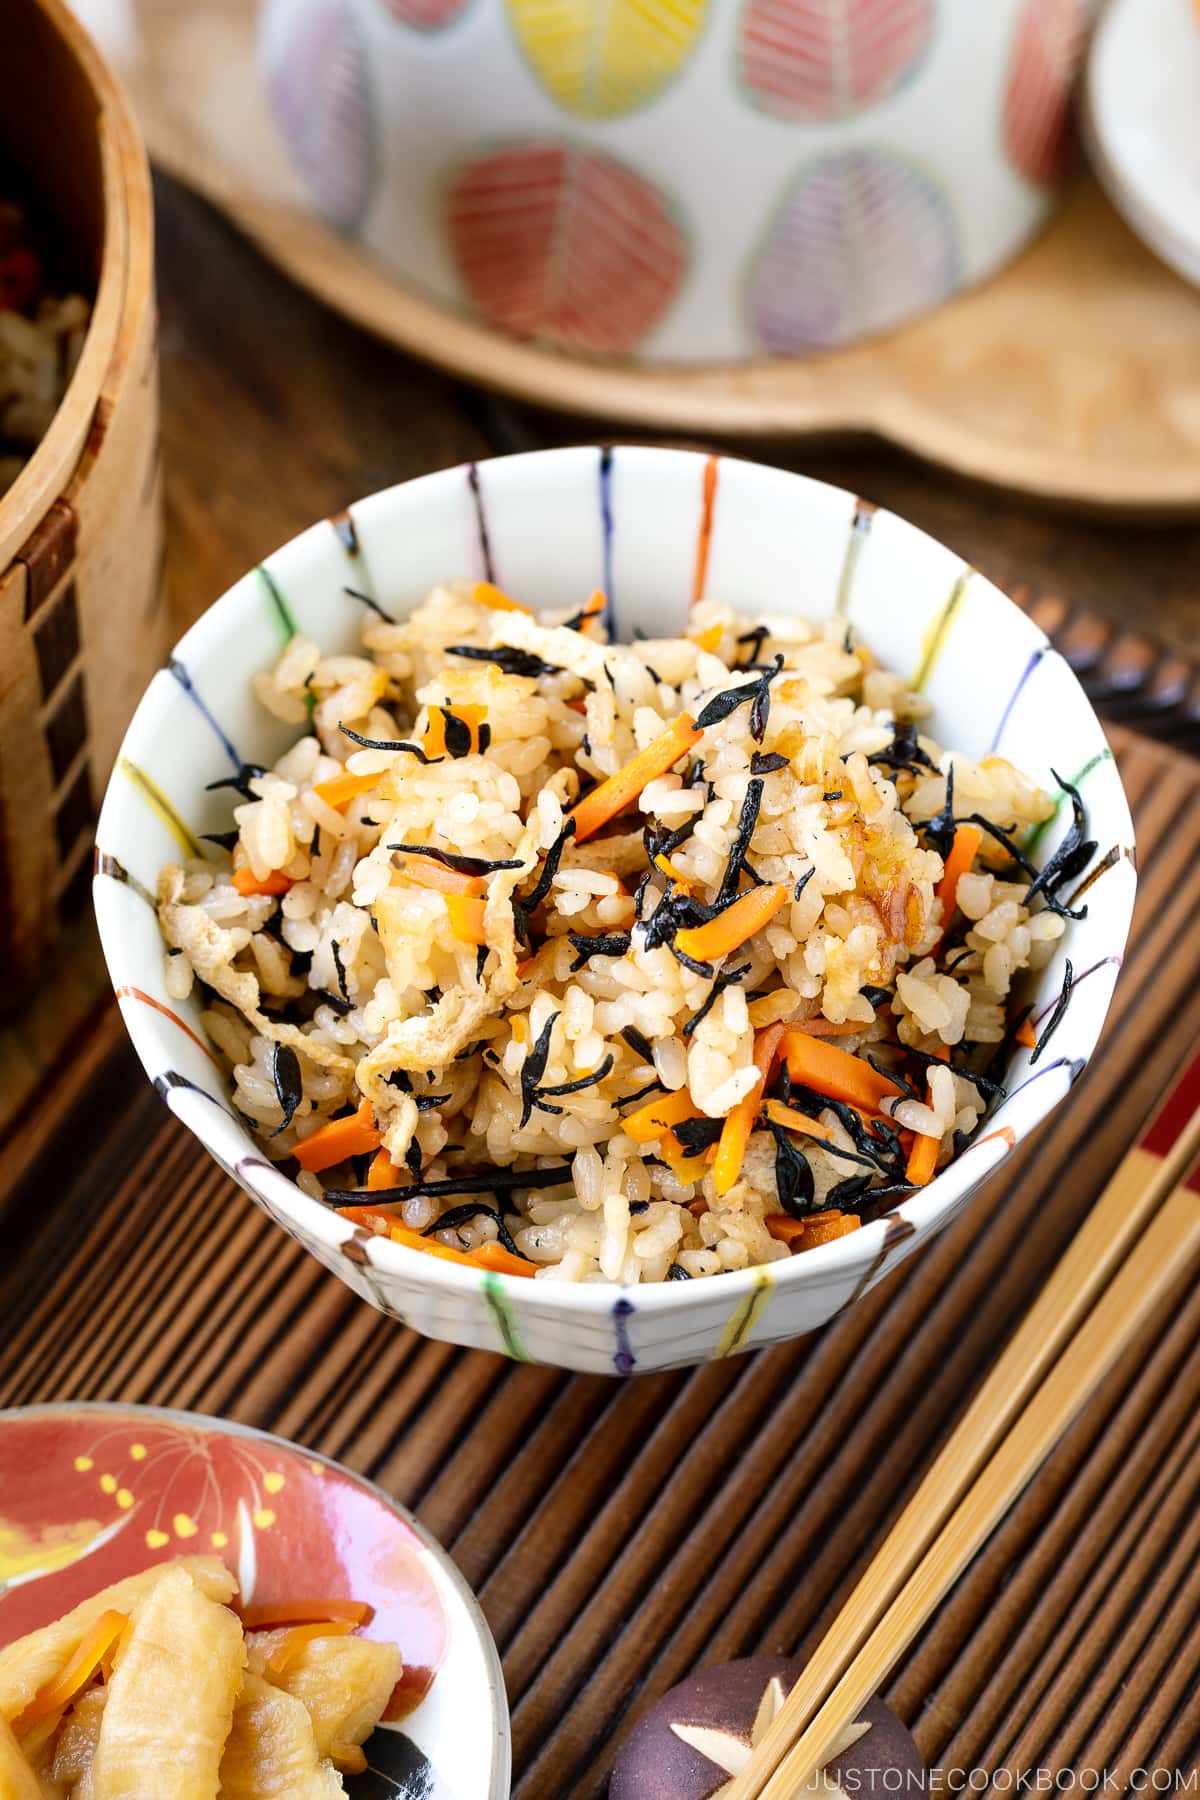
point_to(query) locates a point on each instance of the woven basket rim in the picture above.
(123, 289)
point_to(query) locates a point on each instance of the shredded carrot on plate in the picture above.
(1025, 1034)
(709, 639)
(735, 924)
(622, 789)
(271, 1614)
(339, 790)
(354, 1135)
(247, 882)
(100, 1637)
(834, 1072)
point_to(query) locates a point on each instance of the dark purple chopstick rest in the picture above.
(699, 1735)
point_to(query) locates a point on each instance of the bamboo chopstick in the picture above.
(1135, 1193)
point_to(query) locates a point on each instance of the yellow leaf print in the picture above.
(24, 1556)
(600, 58)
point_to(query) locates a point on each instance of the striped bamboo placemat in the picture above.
(620, 1533)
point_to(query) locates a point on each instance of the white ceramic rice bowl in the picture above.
(653, 527)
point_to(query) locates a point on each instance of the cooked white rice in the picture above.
(360, 968)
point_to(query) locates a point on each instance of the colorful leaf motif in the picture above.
(316, 79)
(425, 15)
(863, 240)
(828, 59)
(1037, 99)
(600, 58)
(564, 244)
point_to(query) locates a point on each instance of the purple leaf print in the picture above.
(863, 240)
(317, 86)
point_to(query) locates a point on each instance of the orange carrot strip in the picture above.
(466, 918)
(369, 1217)
(659, 1115)
(383, 1173)
(666, 867)
(922, 1160)
(739, 1123)
(967, 839)
(333, 1143)
(435, 732)
(593, 606)
(784, 1228)
(340, 789)
(495, 1256)
(823, 1228)
(791, 1120)
(247, 882)
(426, 872)
(1025, 1034)
(486, 593)
(825, 1028)
(737, 923)
(807, 1233)
(268, 1616)
(298, 1640)
(412, 1240)
(95, 1644)
(622, 789)
(708, 639)
(834, 1072)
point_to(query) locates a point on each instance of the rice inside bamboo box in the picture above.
(82, 619)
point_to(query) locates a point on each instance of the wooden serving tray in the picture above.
(620, 1533)
(1073, 374)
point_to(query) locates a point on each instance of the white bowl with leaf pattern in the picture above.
(699, 181)
(654, 527)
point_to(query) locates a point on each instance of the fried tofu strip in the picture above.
(171, 1698)
(343, 1682)
(271, 1752)
(17, 1779)
(27, 1665)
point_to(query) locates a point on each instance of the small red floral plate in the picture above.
(91, 1493)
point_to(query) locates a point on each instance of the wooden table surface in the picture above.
(620, 1533)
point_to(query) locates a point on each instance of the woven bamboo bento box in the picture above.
(82, 621)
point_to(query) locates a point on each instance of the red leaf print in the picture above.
(425, 15)
(829, 59)
(565, 245)
(1037, 99)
